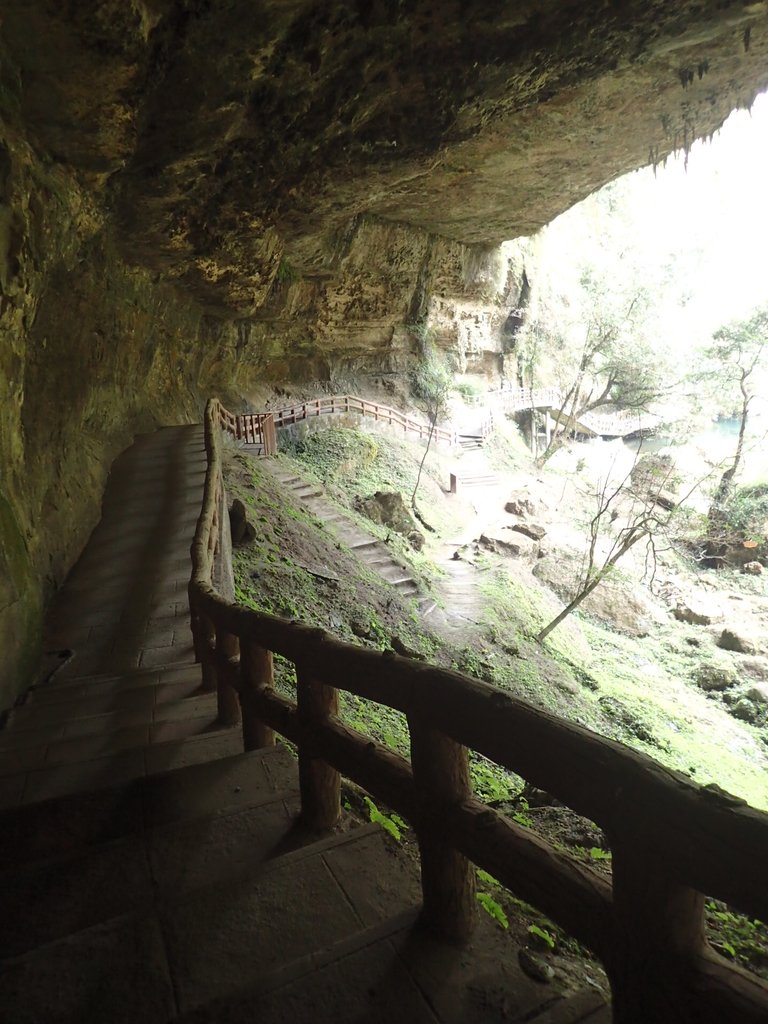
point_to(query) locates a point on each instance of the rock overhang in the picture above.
(235, 142)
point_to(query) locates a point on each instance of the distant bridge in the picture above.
(551, 400)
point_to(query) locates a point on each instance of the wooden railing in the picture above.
(672, 840)
(255, 428)
(328, 406)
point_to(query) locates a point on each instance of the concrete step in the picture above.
(194, 932)
(394, 970)
(189, 785)
(35, 782)
(479, 480)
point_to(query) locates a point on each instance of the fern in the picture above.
(387, 823)
(490, 906)
(543, 934)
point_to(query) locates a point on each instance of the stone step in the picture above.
(480, 480)
(202, 936)
(362, 545)
(35, 782)
(190, 786)
(394, 970)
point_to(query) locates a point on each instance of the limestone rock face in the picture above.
(200, 197)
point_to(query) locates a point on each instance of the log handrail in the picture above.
(334, 404)
(672, 839)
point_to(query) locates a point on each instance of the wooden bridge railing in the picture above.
(672, 840)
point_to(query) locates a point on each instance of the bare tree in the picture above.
(648, 516)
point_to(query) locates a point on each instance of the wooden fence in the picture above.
(672, 840)
(334, 404)
(255, 428)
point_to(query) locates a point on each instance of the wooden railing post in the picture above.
(228, 705)
(659, 935)
(257, 675)
(320, 784)
(206, 638)
(441, 776)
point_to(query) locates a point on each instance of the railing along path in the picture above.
(259, 428)
(672, 840)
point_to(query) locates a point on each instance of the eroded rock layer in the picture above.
(200, 196)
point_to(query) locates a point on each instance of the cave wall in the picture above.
(92, 351)
(205, 197)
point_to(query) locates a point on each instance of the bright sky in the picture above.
(719, 203)
(706, 218)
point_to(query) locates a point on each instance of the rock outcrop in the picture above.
(200, 197)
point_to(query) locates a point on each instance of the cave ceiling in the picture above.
(230, 141)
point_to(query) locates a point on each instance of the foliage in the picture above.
(490, 906)
(286, 272)
(392, 824)
(741, 938)
(732, 368)
(541, 933)
(745, 512)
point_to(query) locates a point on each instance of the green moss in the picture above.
(20, 608)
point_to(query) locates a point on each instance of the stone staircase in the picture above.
(370, 549)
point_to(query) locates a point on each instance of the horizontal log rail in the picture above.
(672, 840)
(338, 404)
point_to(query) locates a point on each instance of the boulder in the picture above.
(731, 640)
(697, 611)
(388, 509)
(242, 531)
(754, 667)
(758, 693)
(521, 504)
(533, 530)
(752, 568)
(510, 544)
(745, 710)
(717, 677)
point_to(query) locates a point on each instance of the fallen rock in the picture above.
(731, 640)
(755, 668)
(534, 966)
(242, 531)
(716, 677)
(403, 649)
(511, 544)
(388, 509)
(520, 504)
(752, 568)
(533, 530)
(696, 611)
(745, 710)
(758, 693)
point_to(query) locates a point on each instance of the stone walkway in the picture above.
(129, 694)
(150, 872)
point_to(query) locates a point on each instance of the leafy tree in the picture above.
(614, 363)
(431, 383)
(734, 359)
